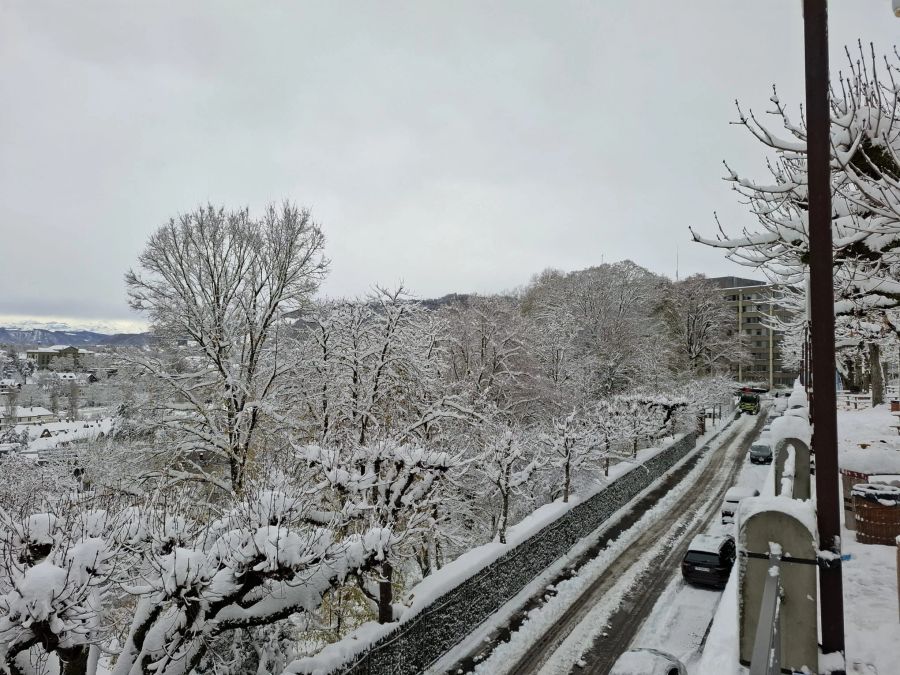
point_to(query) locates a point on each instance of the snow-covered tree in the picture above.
(221, 282)
(507, 463)
(182, 579)
(392, 488)
(571, 442)
(371, 370)
(488, 354)
(699, 323)
(865, 172)
(610, 313)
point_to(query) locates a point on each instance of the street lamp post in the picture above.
(821, 302)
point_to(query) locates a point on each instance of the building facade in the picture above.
(754, 310)
(44, 356)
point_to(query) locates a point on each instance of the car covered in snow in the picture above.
(732, 499)
(761, 452)
(708, 560)
(647, 662)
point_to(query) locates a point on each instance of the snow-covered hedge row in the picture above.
(420, 640)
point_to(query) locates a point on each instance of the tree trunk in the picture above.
(568, 482)
(386, 594)
(606, 467)
(77, 662)
(876, 374)
(504, 513)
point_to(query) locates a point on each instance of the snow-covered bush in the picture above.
(184, 577)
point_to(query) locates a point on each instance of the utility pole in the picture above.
(821, 300)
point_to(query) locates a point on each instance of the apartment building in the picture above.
(751, 301)
(44, 356)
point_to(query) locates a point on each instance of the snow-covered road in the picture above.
(682, 616)
(630, 572)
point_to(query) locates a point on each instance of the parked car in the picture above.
(643, 661)
(708, 560)
(733, 498)
(761, 452)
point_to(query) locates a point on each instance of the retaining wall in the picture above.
(417, 643)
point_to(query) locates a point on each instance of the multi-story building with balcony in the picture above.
(44, 356)
(754, 309)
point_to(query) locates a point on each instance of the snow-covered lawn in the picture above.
(871, 615)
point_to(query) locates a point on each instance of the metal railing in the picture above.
(766, 657)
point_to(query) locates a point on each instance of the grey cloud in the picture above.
(458, 146)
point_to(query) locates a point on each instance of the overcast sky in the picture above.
(457, 146)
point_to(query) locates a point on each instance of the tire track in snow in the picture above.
(560, 645)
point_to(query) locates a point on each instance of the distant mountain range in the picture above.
(44, 333)
(39, 337)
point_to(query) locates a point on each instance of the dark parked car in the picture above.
(761, 453)
(708, 560)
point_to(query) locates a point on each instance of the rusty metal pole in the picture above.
(803, 377)
(818, 123)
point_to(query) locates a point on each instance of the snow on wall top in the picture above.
(802, 510)
(798, 398)
(790, 426)
(870, 460)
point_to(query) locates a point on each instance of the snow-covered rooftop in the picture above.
(31, 412)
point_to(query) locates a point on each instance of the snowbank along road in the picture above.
(644, 547)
